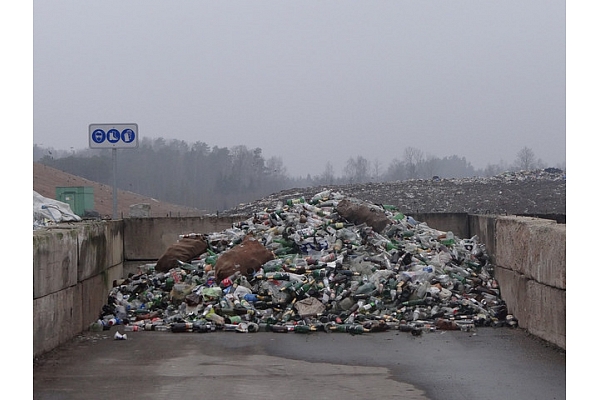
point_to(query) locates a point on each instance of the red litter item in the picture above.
(226, 282)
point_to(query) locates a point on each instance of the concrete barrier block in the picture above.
(547, 308)
(511, 242)
(114, 242)
(547, 256)
(54, 260)
(533, 247)
(540, 309)
(56, 320)
(93, 250)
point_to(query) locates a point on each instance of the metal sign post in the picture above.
(114, 207)
(113, 136)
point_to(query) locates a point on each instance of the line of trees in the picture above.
(219, 178)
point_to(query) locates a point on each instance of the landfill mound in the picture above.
(535, 192)
(328, 263)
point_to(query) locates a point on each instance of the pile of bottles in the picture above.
(408, 277)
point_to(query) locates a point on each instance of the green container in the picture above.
(79, 198)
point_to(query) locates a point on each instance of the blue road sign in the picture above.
(98, 136)
(113, 136)
(128, 135)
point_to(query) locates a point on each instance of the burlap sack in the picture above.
(185, 250)
(358, 212)
(247, 258)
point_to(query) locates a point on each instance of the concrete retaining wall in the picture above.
(530, 260)
(73, 270)
(75, 265)
(457, 223)
(148, 238)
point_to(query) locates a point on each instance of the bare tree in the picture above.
(376, 170)
(525, 159)
(412, 158)
(357, 170)
(328, 175)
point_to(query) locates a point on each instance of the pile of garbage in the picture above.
(48, 211)
(330, 263)
(523, 192)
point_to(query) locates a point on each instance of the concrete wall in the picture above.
(75, 265)
(530, 260)
(73, 270)
(457, 223)
(148, 238)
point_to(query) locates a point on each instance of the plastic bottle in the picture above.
(321, 196)
(292, 202)
(448, 240)
(131, 328)
(365, 308)
(120, 312)
(202, 326)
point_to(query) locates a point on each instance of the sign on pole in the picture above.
(113, 136)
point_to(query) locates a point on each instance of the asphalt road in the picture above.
(488, 364)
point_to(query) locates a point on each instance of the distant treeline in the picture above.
(220, 178)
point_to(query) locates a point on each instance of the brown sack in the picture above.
(358, 213)
(184, 250)
(247, 258)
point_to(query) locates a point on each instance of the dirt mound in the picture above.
(46, 179)
(541, 192)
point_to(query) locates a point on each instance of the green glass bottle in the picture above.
(289, 311)
(304, 328)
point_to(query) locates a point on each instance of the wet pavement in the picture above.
(489, 363)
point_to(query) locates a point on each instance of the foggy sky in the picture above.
(308, 81)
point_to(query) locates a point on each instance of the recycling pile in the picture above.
(329, 270)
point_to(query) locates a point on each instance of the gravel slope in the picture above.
(532, 192)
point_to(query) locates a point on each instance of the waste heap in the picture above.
(329, 263)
